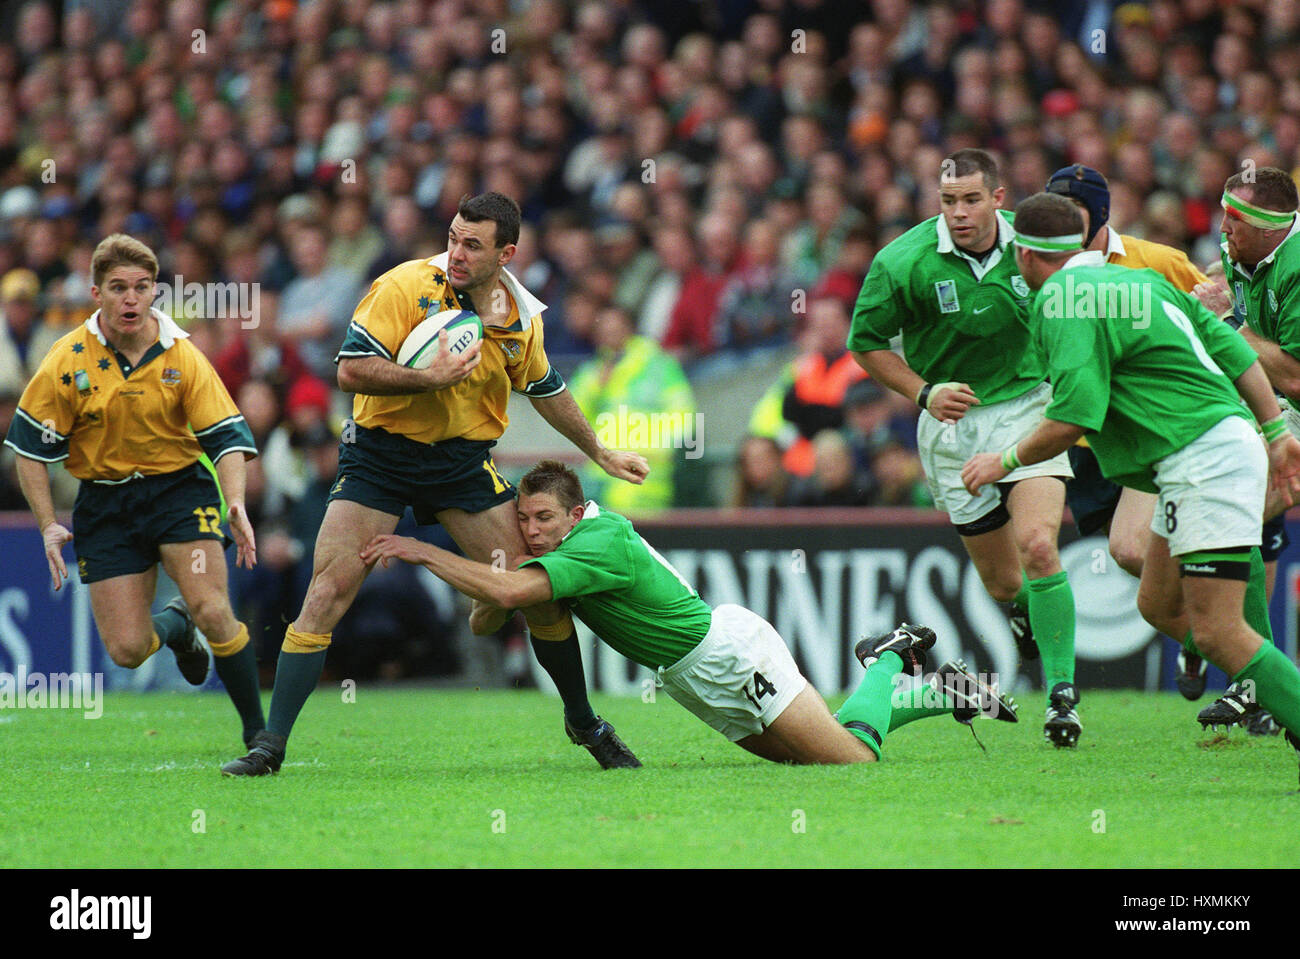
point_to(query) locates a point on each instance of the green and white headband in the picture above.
(1050, 244)
(1255, 216)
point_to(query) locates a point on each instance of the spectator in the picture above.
(23, 339)
(638, 399)
(761, 480)
(835, 480)
(756, 307)
(690, 333)
(317, 306)
(822, 375)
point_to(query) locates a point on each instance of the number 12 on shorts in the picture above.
(761, 688)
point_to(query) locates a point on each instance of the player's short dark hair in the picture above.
(1269, 187)
(968, 161)
(117, 250)
(1049, 214)
(498, 208)
(553, 477)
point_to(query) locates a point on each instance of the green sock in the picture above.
(1051, 616)
(1255, 607)
(919, 703)
(1021, 598)
(296, 676)
(169, 625)
(239, 675)
(1190, 646)
(871, 703)
(1277, 685)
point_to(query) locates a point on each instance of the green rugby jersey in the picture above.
(1148, 377)
(1267, 298)
(962, 321)
(615, 582)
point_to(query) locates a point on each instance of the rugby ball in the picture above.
(464, 329)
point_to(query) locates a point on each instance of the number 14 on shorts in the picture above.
(761, 687)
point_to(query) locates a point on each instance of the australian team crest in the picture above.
(1019, 285)
(946, 290)
(513, 350)
(171, 376)
(82, 379)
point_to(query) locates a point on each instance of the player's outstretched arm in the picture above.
(34, 480)
(376, 376)
(1281, 368)
(946, 402)
(1049, 438)
(231, 474)
(504, 588)
(565, 417)
(1283, 448)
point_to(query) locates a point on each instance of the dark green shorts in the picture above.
(388, 472)
(116, 529)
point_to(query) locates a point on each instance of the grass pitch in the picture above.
(419, 777)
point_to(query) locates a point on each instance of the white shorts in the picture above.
(945, 449)
(1212, 490)
(739, 678)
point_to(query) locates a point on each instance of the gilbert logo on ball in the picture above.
(464, 329)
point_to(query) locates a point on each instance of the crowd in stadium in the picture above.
(706, 181)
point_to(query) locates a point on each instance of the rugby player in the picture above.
(1157, 382)
(129, 406)
(1125, 514)
(727, 665)
(951, 287)
(423, 438)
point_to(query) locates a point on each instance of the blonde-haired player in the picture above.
(129, 405)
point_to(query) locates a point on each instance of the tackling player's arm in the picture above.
(377, 376)
(506, 589)
(1050, 438)
(1282, 369)
(567, 419)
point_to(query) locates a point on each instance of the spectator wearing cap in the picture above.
(23, 339)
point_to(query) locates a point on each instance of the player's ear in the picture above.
(998, 195)
(507, 254)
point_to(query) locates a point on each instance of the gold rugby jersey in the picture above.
(1169, 262)
(513, 357)
(112, 422)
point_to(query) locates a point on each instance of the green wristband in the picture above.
(1274, 429)
(1010, 461)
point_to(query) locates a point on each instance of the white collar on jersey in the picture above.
(1006, 234)
(1085, 258)
(529, 305)
(1114, 243)
(168, 331)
